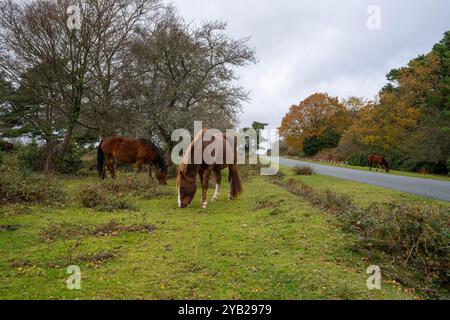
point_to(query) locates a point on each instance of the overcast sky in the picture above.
(308, 46)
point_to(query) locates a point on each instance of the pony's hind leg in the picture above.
(110, 163)
(230, 178)
(104, 171)
(218, 176)
(205, 186)
(138, 167)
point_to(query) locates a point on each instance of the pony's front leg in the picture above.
(205, 185)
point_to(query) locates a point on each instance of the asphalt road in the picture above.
(435, 189)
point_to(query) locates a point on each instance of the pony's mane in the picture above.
(186, 159)
(158, 150)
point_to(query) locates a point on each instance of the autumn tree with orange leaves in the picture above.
(317, 121)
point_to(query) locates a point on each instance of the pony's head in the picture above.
(161, 167)
(161, 175)
(186, 185)
(186, 188)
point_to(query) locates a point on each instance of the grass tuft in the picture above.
(304, 171)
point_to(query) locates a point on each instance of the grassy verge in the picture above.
(269, 244)
(362, 194)
(409, 240)
(394, 172)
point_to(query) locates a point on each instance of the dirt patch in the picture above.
(112, 229)
(21, 263)
(97, 257)
(5, 228)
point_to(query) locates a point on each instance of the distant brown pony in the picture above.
(188, 171)
(8, 147)
(125, 150)
(380, 161)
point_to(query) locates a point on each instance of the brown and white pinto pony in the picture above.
(380, 161)
(126, 150)
(188, 170)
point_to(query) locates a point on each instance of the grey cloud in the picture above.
(322, 45)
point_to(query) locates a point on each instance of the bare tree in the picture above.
(78, 62)
(133, 67)
(178, 74)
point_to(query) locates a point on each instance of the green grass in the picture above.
(393, 172)
(361, 193)
(269, 244)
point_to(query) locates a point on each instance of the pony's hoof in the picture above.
(204, 205)
(215, 199)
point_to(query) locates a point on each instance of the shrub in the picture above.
(136, 186)
(249, 171)
(416, 236)
(17, 187)
(448, 166)
(111, 195)
(91, 197)
(357, 159)
(33, 157)
(29, 157)
(71, 162)
(96, 197)
(303, 170)
(313, 145)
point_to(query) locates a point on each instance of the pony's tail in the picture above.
(100, 161)
(236, 185)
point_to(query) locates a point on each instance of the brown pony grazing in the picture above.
(380, 161)
(188, 171)
(125, 150)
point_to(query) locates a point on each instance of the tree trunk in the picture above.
(49, 155)
(73, 117)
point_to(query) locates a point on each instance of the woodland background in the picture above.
(408, 122)
(135, 68)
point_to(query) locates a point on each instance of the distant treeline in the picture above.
(408, 123)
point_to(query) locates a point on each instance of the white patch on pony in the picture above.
(179, 198)
(216, 193)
